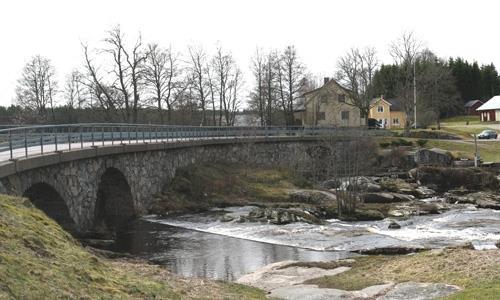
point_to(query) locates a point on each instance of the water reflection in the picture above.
(192, 253)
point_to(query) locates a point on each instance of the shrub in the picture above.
(421, 142)
(384, 145)
(401, 142)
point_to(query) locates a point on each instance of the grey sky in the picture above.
(321, 30)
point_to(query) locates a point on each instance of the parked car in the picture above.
(487, 134)
(374, 124)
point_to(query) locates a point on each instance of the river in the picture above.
(201, 245)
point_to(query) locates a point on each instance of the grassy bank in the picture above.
(198, 187)
(477, 272)
(38, 260)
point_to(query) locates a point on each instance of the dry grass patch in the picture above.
(478, 272)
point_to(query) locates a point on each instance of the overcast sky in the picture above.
(321, 30)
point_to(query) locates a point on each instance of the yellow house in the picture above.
(388, 112)
(329, 105)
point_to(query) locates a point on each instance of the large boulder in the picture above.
(311, 196)
(424, 192)
(433, 157)
(481, 199)
(445, 179)
(385, 197)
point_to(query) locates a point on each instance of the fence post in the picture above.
(69, 138)
(55, 137)
(10, 144)
(41, 142)
(92, 135)
(81, 137)
(26, 142)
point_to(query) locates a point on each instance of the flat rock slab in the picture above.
(273, 276)
(419, 291)
(309, 292)
(288, 283)
(312, 292)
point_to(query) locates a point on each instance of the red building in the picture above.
(471, 106)
(490, 111)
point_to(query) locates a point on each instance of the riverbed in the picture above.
(202, 245)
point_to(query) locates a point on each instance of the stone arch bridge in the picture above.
(82, 186)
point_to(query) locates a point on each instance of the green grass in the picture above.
(477, 272)
(488, 150)
(39, 260)
(465, 132)
(461, 120)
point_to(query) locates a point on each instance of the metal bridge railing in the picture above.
(19, 142)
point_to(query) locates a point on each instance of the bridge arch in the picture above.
(114, 204)
(46, 198)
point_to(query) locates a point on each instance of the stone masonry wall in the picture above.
(146, 172)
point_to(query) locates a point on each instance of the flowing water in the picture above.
(201, 245)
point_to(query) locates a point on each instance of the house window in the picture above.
(341, 98)
(395, 121)
(344, 115)
(321, 115)
(380, 109)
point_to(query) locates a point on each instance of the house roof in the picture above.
(492, 104)
(394, 104)
(331, 81)
(472, 103)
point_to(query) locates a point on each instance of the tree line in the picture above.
(128, 80)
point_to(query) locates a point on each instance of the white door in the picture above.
(497, 115)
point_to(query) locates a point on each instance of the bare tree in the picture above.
(404, 52)
(199, 73)
(344, 160)
(438, 92)
(37, 86)
(258, 95)
(162, 76)
(98, 88)
(270, 85)
(290, 81)
(74, 90)
(128, 69)
(211, 88)
(355, 72)
(115, 48)
(227, 79)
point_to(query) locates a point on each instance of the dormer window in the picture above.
(380, 108)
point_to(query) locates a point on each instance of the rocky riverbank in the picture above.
(284, 197)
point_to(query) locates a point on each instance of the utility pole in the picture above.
(414, 95)
(476, 154)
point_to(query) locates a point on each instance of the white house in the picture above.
(490, 111)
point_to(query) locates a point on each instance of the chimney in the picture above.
(325, 80)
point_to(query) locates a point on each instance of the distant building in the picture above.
(471, 106)
(329, 105)
(490, 111)
(388, 112)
